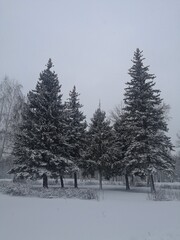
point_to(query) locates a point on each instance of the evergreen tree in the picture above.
(149, 147)
(76, 132)
(121, 132)
(100, 141)
(121, 145)
(40, 144)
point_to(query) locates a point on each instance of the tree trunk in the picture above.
(45, 181)
(153, 190)
(100, 180)
(132, 180)
(75, 180)
(62, 182)
(148, 180)
(127, 182)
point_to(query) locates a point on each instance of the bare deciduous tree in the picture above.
(11, 99)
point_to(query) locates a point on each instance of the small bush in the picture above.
(15, 191)
(159, 195)
(89, 194)
(164, 195)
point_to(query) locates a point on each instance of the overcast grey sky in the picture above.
(91, 44)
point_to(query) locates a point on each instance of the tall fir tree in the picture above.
(40, 144)
(76, 132)
(100, 141)
(149, 147)
(121, 145)
(121, 132)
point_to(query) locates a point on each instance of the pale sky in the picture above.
(91, 44)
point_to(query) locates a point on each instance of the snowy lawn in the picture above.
(118, 215)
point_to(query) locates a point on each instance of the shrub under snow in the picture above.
(18, 189)
(164, 195)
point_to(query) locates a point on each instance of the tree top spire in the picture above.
(49, 64)
(99, 104)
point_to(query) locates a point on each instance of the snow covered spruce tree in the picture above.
(149, 147)
(121, 142)
(100, 141)
(121, 133)
(76, 132)
(40, 145)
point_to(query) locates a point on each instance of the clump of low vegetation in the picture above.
(163, 194)
(30, 190)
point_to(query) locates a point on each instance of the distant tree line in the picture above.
(52, 138)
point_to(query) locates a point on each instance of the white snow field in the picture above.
(117, 215)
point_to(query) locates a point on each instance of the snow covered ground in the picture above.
(118, 215)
